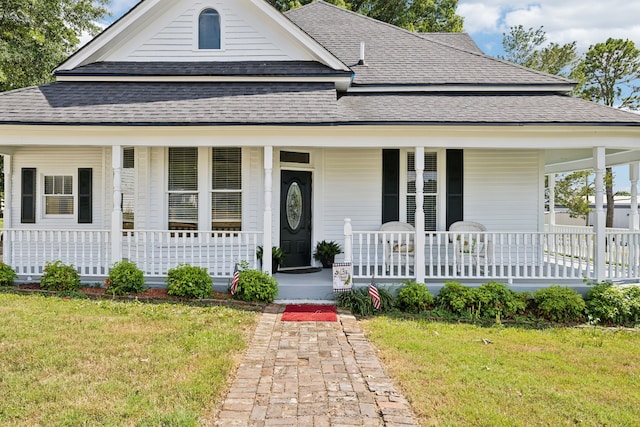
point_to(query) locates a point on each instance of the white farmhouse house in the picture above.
(194, 131)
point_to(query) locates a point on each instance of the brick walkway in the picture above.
(311, 374)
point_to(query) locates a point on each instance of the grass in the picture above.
(460, 374)
(109, 363)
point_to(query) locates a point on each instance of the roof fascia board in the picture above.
(341, 82)
(461, 88)
(139, 10)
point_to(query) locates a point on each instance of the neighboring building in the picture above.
(194, 131)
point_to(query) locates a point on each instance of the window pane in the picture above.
(226, 211)
(128, 158)
(48, 185)
(183, 211)
(226, 169)
(183, 169)
(59, 205)
(430, 213)
(209, 30)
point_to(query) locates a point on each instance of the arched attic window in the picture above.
(209, 29)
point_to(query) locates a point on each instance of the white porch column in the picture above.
(116, 213)
(419, 238)
(634, 222)
(268, 212)
(348, 240)
(600, 218)
(8, 202)
(552, 198)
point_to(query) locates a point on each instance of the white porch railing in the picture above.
(155, 252)
(27, 251)
(495, 255)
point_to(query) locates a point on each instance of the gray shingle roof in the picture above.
(170, 103)
(238, 68)
(397, 56)
(454, 108)
(118, 103)
(462, 41)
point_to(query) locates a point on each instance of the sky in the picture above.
(585, 21)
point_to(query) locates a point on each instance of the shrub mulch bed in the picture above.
(155, 295)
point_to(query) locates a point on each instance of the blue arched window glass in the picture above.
(209, 29)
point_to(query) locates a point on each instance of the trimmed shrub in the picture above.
(188, 281)
(559, 304)
(125, 278)
(455, 298)
(7, 275)
(614, 304)
(258, 286)
(495, 300)
(414, 297)
(60, 277)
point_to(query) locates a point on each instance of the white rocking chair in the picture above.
(398, 240)
(469, 247)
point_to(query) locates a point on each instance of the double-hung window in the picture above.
(58, 194)
(430, 190)
(183, 188)
(226, 189)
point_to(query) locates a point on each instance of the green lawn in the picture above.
(457, 374)
(85, 362)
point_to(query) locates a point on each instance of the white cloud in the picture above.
(584, 21)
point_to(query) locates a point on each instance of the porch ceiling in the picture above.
(560, 161)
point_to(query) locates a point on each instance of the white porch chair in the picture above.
(469, 247)
(397, 246)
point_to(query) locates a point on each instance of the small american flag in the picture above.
(375, 296)
(235, 280)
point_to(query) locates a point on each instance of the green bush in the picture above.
(495, 300)
(7, 275)
(60, 277)
(559, 304)
(258, 286)
(188, 281)
(414, 297)
(455, 298)
(358, 301)
(125, 278)
(614, 304)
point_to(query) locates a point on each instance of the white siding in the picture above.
(245, 33)
(61, 161)
(502, 189)
(352, 188)
(253, 189)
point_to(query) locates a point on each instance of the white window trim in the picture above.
(196, 33)
(41, 190)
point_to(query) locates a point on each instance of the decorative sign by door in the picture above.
(342, 276)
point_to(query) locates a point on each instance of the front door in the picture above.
(295, 218)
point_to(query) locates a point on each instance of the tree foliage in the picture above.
(609, 74)
(414, 15)
(525, 47)
(36, 35)
(573, 191)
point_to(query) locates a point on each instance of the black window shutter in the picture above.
(28, 203)
(390, 185)
(85, 202)
(455, 186)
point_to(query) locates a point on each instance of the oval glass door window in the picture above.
(294, 206)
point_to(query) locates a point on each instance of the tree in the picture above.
(414, 15)
(609, 74)
(525, 47)
(36, 35)
(573, 191)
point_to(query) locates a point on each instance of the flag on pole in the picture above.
(235, 280)
(375, 296)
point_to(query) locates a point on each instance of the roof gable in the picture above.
(166, 30)
(395, 56)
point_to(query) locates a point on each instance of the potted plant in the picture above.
(326, 252)
(277, 256)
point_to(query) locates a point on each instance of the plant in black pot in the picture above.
(326, 252)
(277, 256)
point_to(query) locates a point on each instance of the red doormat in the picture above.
(309, 313)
